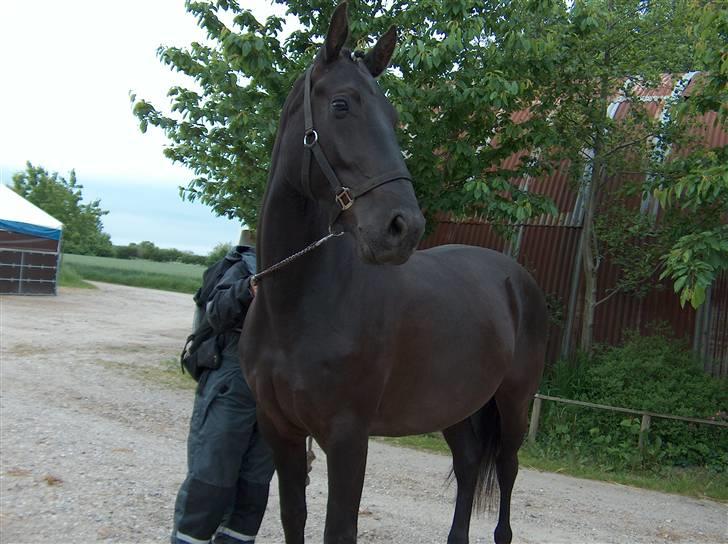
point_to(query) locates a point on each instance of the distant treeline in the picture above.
(82, 222)
(147, 250)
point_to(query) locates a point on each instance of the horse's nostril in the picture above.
(398, 227)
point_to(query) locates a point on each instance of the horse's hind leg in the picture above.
(467, 451)
(474, 443)
(513, 410)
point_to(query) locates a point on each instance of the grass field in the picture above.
(180, 277)
(71, 278)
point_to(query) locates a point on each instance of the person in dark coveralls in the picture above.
(225, 493)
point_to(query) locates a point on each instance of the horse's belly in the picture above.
(436, 398)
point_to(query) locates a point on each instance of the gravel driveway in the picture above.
(92, 445)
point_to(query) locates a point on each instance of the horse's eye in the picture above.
(340, 106)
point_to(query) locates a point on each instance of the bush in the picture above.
(651, 373)
(218, 252)
(148, 251)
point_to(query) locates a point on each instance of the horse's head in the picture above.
(353, 164)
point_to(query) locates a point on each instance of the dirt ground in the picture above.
(92, 446)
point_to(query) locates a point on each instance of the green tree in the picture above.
(223, 127)
(696, 182)
(60, 197)
(609, 53)
(463, 74)
(148, 250)
(218, 252)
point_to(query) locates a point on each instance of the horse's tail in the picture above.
(486, 424)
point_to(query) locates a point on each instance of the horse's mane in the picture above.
(294, 98)
(293, 101)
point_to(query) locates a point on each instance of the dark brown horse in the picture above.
(342, 344)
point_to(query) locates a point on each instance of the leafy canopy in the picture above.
(696, 182)
(454, 88)
(462, 75)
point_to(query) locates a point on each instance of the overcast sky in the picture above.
(66, 70)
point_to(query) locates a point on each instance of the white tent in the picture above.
(30, 243)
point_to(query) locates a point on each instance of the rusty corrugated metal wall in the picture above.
(549, 248)
(710, 340)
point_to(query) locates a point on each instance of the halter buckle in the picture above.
(345, 199)
(310, 138)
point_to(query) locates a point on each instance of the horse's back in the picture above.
(460, 255)
(481, 268)
(498, 277)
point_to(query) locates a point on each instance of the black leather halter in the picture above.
(344, 196)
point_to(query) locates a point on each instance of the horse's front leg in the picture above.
(346, 459)
(289, 456)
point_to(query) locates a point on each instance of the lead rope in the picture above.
(255, 278)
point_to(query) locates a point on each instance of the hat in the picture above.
(247, 238)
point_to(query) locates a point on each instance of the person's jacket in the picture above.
(228, 305)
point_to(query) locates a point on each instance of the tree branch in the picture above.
(622, 290)
(610, 295)
(626, 144)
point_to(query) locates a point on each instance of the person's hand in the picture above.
(254, 288)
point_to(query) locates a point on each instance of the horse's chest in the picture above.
(316, 375)
(316, 365)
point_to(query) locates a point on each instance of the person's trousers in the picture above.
(229, 464)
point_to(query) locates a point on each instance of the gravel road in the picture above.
(92, 446)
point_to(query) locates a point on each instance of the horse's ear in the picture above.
(337, 34)
(378, 58)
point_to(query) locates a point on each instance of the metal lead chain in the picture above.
(255, 279)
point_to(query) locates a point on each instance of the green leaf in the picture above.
(679, 283)
(698, 297)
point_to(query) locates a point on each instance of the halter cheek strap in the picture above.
(343, 196)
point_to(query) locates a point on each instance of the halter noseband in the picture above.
(344, 196)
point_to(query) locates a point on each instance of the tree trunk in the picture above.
(590, 250)
(589, 261)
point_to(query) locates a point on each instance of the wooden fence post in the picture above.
(644, 429)
(535, 416)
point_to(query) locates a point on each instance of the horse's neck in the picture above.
(289, 223)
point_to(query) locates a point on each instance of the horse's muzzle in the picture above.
(396, 242)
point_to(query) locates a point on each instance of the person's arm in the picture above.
(231, 299)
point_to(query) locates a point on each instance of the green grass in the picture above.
(71, 278)
(166, 373)
(697, 482)
(692, 482)
(180, 277)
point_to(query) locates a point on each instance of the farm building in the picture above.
(30, 247)
(549, 247)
